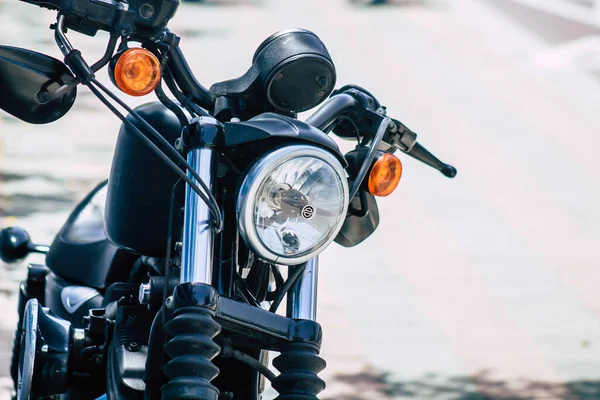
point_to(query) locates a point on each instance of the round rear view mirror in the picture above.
(25, 76)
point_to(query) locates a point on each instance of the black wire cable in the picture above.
(244, 292)
(277, 275)
(286, 287)
(230, 352)
(170, 81)
(169, 244)
(351, 122)
(186, 102)
(198, 110)
(154, 147)
(160, 93)
(278, 282)
(110, 50)
(164, 142)
(212, 204)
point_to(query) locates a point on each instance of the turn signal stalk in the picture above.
(136, 72)
(385, 175)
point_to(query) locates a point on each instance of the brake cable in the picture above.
(376, 141)
(209, 199)
(95, 86)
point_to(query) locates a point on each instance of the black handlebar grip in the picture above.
(449, 171)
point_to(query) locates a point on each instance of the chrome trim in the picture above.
(78, 335)
(144, 293)
(248, 192)
(108, 2)
(198, 235)
(40, 248)
(27, 354)
(302, 299)
(73, 297)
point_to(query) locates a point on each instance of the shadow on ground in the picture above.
(369, 385)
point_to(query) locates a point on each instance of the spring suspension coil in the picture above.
(192, 349)
(299, 364)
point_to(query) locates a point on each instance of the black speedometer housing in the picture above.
(291, 72)
(296, 70)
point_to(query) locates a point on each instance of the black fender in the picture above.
(270, 129)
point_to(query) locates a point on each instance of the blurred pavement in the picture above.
(481, 287)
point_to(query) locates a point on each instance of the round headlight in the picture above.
(292, 203)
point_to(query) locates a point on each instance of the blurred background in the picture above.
(482, 287)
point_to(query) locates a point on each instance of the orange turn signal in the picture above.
(385, 175)
(137, 72)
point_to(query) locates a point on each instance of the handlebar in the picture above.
(185, 79)
(398, 136)
(140, 18)
(331, 110)
(366, 110)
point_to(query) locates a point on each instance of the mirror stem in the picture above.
(59, 35)
(38, 248)
(47, 97)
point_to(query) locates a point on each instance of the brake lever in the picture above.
(422, 154)
(406, 140)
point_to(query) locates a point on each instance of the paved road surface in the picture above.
(484, 287)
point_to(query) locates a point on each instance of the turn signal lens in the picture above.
(385, 175)
(137, 72)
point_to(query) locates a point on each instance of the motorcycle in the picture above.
(166, 280)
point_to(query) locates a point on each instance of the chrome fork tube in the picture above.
(302, 299)
(198, 235)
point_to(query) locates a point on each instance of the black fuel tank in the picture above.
(81, 254)
(139, 188)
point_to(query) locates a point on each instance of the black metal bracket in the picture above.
(248, 326)
(201, 132)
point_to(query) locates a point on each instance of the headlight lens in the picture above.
(292, 204)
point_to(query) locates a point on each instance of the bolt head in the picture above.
(144, 293)
(169, 302)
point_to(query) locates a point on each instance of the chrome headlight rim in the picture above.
(252, 182)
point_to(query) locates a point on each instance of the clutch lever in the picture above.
(399, 136)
